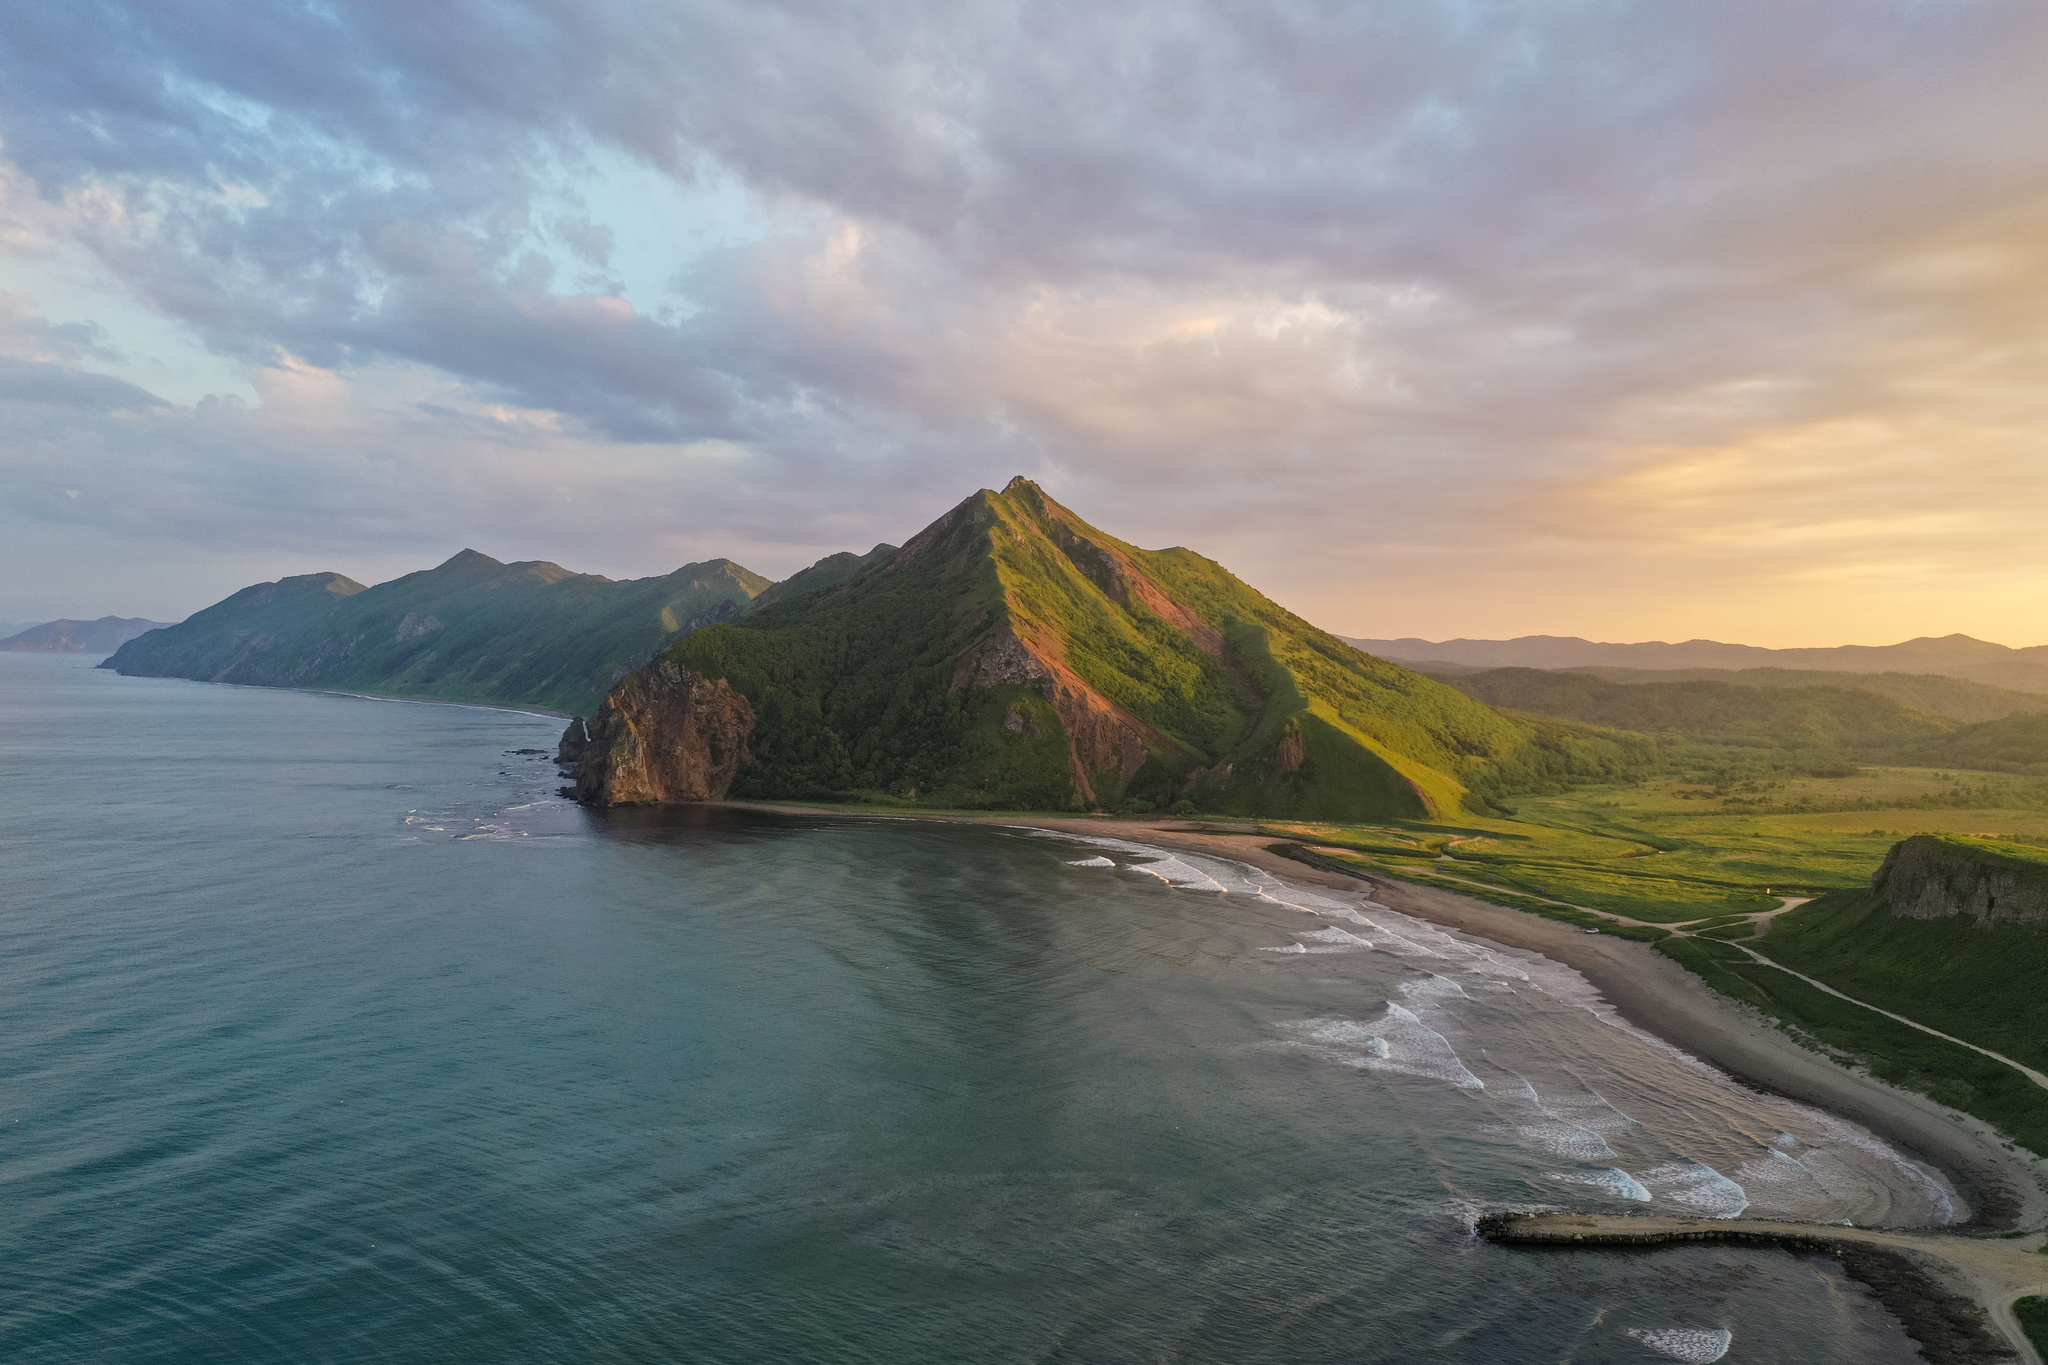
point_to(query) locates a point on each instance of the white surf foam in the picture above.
(1092, 862)
(1614, 1180)
(1397, 1041)
(1685, 1343)
(1696, 1186)
(1475, 966)
(1177, 872)
(1334, 935)
(1533, 1122)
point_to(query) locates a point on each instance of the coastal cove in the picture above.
(333, 1032)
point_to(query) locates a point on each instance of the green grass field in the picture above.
(1672, 852)
(2033, 1315)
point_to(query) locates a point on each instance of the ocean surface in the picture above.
(328, 1032)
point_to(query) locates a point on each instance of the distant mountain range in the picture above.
(103, 636)
(1954, 656)
(1011, 656)
(472, 629)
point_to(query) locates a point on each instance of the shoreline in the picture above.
(1954, 1295)
(1952, 1287)
(2005, 1188)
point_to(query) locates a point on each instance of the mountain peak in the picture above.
(1013, 657)
(468, 559)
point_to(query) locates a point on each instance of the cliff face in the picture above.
(1931, 876)
(664, 734)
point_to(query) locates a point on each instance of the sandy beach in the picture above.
(1987, 1260)
(2006, 1187)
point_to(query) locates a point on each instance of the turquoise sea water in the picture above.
(327, 1033)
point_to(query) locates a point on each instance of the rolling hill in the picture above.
(1942, 696)
(1831, 719)
(103, 636)
(1954, 656)
(1012, 656)
(472, 629)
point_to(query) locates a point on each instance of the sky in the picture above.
(1427, 318)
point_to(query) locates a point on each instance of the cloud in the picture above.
(1392, 307)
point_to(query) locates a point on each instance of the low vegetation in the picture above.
(1954, 1076)
(470, 630)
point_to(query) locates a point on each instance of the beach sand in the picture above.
(1923, 1275)
(2006, 1187)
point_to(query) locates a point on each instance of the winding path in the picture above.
(2036, 1077)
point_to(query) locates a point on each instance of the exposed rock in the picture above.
(1927, 877)
(1002, 660)
(415, 625)
(575, 740)
(1291, 752)
(664, 734)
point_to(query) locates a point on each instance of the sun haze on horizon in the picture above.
(1438, 320)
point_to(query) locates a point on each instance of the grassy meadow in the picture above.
(1674, 851)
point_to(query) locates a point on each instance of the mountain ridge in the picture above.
(472, 629)
(66, 636)
(1010, 655)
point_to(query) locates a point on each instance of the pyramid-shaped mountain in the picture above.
(1011, 656)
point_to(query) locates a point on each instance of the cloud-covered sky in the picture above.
(1428, 317)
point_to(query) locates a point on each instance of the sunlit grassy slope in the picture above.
(1012, 656)
(1673, 851)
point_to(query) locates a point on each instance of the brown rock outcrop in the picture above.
(664, 734)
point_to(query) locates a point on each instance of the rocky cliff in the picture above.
(663, 734)
(1930, 876)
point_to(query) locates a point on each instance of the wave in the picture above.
(1614, 1180)
(1397, 1041)
(1696, 1186)
(1862, 1176)
(1685, 1343)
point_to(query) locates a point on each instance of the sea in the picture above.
(331, 1032)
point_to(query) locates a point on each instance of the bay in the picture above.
(328, 1032)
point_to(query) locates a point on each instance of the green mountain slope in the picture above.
(1012, 656)
(472, 629)
(1956, 698)
(1830, 719)
(1953, 932)
(830, 570)
(2014, 744)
